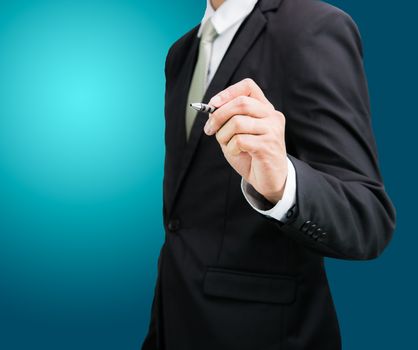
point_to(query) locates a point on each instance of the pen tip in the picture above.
(196, 106)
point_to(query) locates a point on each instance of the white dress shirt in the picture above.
(226, 20)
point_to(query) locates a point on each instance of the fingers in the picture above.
(242, 143)
(241, 105)
(240, 124)
(246, 87)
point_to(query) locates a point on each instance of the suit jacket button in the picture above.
(291, 211)
(312, 229)
(322, 236)
(317, 233)
(305, 226)
(173, 225)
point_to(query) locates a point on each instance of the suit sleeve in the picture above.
(342, 208)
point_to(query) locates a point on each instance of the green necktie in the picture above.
(198, 84)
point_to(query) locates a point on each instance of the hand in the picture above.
(251, 134)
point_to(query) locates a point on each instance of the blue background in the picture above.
(81, 164)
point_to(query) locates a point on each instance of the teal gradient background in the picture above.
(81, 164)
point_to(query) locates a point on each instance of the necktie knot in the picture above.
(209, 33)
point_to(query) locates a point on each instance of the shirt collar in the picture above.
(228, 14)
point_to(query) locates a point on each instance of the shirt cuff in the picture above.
(263, 206)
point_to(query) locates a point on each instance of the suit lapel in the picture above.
(175, 106)
(245, 37)
(180, 92)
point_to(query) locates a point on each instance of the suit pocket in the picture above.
(242, 285)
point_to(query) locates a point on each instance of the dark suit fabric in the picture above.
(229, 277)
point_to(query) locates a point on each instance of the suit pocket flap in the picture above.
(267, 288)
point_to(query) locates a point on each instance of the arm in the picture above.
(342, 209)
(340, 189)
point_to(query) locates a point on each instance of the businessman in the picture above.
(281, 175)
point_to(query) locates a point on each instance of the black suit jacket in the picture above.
(229, 277)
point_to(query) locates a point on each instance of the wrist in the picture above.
(276, 196)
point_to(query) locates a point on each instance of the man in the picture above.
(283, 173)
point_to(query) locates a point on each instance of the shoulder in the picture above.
(300, 19)
(307, 13)
(298, 23)
(180, 47)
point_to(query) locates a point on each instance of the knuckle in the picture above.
(281, 117)
(218, 136)
(249, 82)
(220, 96)
(243, 143)
(279, 120)
(242, 101)
(240, 122)
(239, 141)
(214, 122)
(226, 95)
(255, 124)
(235, 123)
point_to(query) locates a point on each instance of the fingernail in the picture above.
(215, 101)
(208, 128)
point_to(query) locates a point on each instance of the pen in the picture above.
(203, 107)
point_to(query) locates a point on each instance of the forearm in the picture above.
(354, 218)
